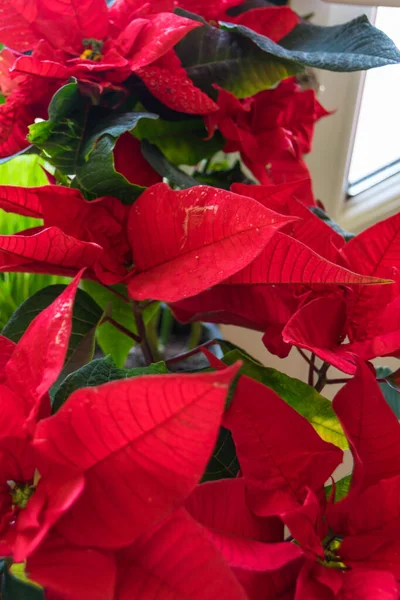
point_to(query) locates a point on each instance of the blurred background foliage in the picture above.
(23, 170)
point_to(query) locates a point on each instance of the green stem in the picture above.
(195, 334)
(122, 329)
(167, 321)
(140, 326)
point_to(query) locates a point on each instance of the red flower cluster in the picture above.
(102, 496)
(272, 130)
(107, 490)
(102, 47)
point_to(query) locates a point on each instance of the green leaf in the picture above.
(222, 178)
(299, 395)
(181, 142)
(332, 224)
(60, 136)
(79, 139)
(223, 463)
(392, 395)
(353, 46)
(212, 55)
(16, 586)
(86, 315)
(341, 488)
(24, 169)
(111, 340)
(99, 371)
(164, 168)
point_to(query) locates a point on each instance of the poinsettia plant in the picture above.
(172, 135)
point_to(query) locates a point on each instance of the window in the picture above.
(376, 149)
(355, 163)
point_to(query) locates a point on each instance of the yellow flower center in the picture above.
(93, 50)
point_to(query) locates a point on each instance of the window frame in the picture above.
(329, 160)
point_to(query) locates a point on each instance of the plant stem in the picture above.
(185, 355)
(167, 321)
(308, 360)
(337, 381)
(137, 313)
(319, 386)
(311, 370)
(195, 335)
(122, 329)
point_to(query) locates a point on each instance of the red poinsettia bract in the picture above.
(146, 441)
(84, 40)
(27, 371)
(367, 317)
(272, 130)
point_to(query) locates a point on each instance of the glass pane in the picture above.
(376, 153)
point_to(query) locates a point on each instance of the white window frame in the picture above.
(329, 160)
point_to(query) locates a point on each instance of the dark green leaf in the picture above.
(60, 136)
(223, 178)
(353, 46)
(15, 588)
(181, 142)
(98, 372)
(86, 315)
(211, 55)
(164, 168)
(392, 395)
(341, 488)
(335, 226)
(79, 139)
(223, 462)
(111, 340)
(299, 395)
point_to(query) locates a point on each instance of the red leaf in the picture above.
(168, 81)
(278, 194)
(41, 68)
(373, 252)
(371, 427)
(7, 83)
(130, 162)
(308, 229)
(286, 260)
(320, 326)
(372, 552)
(377, 510)
(17, 30)
(184, 242)
(15, 117)
(221, 506)
(148, 439)
(21, 200)
(277, 464)
(73, 573)
(101, 221)
(47, 251)
(271, 585)
(316, 582)
(39, 356)
(6, 349)
(274, 22)
(176, 562)
(63, 23)
(265, 309)
(239, 534)
(88, 17)
(162, 32)
(369, 585)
